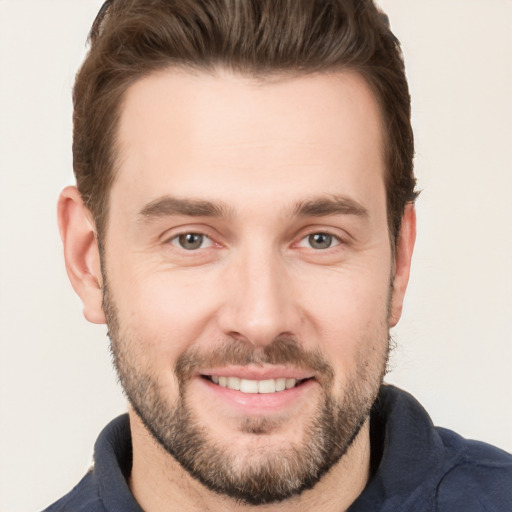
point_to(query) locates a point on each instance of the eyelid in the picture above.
(337, 240)
(174, 240)
(336, 232)
(184, 229)
(172, 234)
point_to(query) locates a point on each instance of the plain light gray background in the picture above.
(57, 388)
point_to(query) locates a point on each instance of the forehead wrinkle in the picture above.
(329, 205)
(168, 206)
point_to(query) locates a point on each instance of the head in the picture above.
(244, 225)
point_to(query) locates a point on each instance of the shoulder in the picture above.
(479, 477)
(423, 467)
(83, 498)
(105, 488)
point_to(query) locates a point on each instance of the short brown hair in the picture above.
(132, 38)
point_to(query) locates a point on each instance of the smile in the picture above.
(255, 386)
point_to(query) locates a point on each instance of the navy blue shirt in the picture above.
(416, 467)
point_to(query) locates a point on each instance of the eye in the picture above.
(191, 241)
(319, 241)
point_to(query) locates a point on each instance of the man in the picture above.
(244, 223)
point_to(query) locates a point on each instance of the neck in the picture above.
(160, 484)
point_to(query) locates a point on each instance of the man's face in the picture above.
(248, 272)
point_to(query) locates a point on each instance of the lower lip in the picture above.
(259, 402)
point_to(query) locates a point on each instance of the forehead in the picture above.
(230, 135)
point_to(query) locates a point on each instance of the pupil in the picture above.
(191, 241)
(320, 240)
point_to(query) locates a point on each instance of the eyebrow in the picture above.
(332, 205)
(168, 206)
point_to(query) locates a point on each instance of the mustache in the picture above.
(283, 350)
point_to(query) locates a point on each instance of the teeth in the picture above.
(290, 383)
(280, 384)
(233, 383)
(267, 386)
(248, 386)
(254, 386)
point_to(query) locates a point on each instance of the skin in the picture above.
(259, 150)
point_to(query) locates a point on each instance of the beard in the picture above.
(260, 475)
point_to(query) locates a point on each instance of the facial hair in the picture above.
(259, 476)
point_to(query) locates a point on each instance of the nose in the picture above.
(259, 300)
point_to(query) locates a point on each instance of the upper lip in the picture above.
(259, 373)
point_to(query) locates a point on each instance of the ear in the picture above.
(81, 252)
(402, 264)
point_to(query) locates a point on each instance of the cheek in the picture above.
(355, 295)
(163, 312)
(349, 314)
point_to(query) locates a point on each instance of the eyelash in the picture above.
(334, 239)
(177, 240)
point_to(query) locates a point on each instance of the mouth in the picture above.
(249, 386)
(255, 391)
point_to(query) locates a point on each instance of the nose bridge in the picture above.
(258, 305)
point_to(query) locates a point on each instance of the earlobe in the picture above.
(402, 264)
(81, 252)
